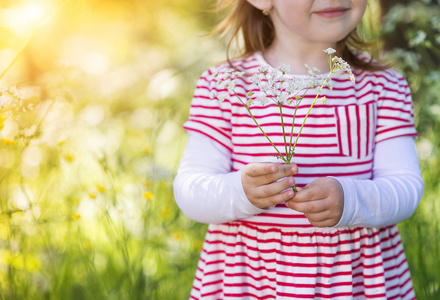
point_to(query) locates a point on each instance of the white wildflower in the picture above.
(264, 87)
(262, 99)
(222, 97)
(212, 96)
(271, 82)
(238, 74)
(255, 79)
(231, 86)
(295, 84)
(273, 73)
(330, 51)
(352, 78)
(284, 68)
(282, 98)
(330, 83)
(263, 68)
(226, 83)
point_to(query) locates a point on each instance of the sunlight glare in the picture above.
(34, 12)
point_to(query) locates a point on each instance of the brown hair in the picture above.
(258, 33)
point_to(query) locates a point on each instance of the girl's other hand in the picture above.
(322, 202)
(261, 185)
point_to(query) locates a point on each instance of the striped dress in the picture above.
(278, 254)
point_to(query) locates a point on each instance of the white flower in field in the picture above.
(273, 73)
(418, 39)
(330, 51)
(28, 132)
(9, 130)
(284, 68)
(435, 23)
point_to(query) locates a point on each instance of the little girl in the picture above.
(356, 168)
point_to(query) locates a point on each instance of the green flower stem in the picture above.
(310, 108)
(292, 150)
(261, 129)
(280, 105)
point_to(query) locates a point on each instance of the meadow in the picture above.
(93, 95)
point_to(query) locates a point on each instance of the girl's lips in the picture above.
(332, 12)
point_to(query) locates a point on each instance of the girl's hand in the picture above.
(322, 202)
(261, 185)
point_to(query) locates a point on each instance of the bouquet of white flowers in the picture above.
(282, 90)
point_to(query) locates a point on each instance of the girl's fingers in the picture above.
(278, 198)
(264, 169)
(260, 169)
(308, 194)
(265, 173)
(307, 207)
(318, 189)
(274, 188)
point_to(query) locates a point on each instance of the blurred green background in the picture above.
(93, 94)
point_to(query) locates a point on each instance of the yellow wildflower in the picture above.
(69, 157)
(6, 141)
(92, 195)
(87, 245)
(177, 235)
(76, 217)
(166, 212)
(100, 188)
(148, 195)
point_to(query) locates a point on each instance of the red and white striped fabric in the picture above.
(279, 254)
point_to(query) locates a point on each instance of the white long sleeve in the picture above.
(208, 192)
(205, 189)
(393, 194)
